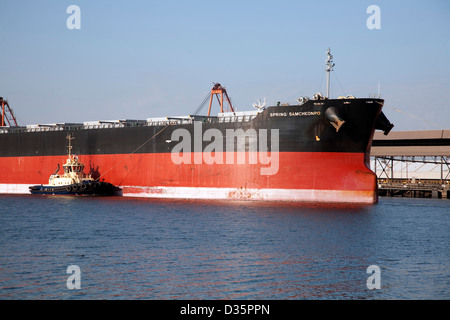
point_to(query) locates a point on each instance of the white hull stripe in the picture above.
(253, 194)
(7, 188)
(310, 195)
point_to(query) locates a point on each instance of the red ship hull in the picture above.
(300, 176)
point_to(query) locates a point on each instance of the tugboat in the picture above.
(74, 181)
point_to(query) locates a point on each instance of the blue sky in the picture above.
(140, 59)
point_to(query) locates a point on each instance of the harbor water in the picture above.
(127, 248)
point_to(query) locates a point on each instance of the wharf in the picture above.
(414, 189)
(402, 161)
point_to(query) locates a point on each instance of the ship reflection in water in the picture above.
(155, 249)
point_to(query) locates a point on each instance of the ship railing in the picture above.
(243, 116)
(236, 118)
(113, 124)
(221, 118)
(42, 127)
(13, 129)
(163, 122)
(181, 120)
(102, 124)
(117, 123)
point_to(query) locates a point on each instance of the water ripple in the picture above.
(151, 249)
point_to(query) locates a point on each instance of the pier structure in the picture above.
(412, 163)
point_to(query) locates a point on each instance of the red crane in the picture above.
(6, 114)
(216, 91)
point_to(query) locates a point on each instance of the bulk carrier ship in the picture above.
(316, 150)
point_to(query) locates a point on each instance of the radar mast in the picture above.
(328, 69)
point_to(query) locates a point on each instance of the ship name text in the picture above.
(295, 114)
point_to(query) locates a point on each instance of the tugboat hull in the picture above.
(78, 189)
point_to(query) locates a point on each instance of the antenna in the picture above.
(70, 138)
(329, 68)
(260, 105)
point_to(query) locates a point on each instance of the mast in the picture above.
(330, 65)
(70, 138)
